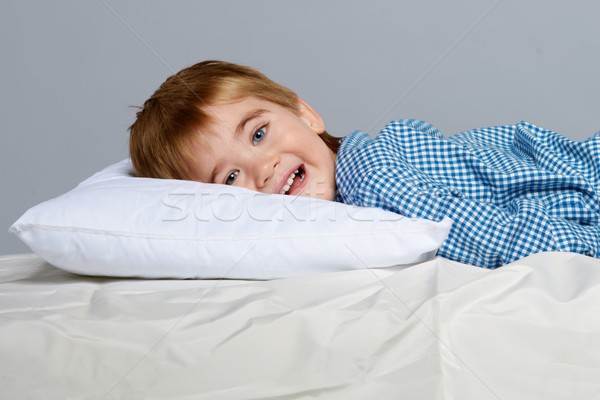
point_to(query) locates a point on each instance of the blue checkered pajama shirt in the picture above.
(511, 191)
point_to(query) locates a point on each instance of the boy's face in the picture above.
(265, 147)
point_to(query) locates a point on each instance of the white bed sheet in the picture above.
(436, 330)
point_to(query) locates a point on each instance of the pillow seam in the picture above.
(100, 232)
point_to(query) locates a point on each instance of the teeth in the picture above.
(290, 181)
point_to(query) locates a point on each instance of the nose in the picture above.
(264, 171)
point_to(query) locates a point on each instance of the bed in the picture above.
(165, 289)
(431, 330)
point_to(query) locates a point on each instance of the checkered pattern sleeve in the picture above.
(511, 191)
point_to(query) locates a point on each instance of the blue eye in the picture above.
(231, 178)
(259, 135)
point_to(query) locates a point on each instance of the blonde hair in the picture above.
(161, 137)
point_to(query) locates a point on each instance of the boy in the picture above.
(511, 191)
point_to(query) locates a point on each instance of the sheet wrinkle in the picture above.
(295, 395)
(218, 309)
(251, 323)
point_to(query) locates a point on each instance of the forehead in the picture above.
(215, 141)
(226, 119)
(234, 112)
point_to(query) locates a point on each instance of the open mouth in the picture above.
(293, 181)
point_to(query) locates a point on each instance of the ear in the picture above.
(311, 117)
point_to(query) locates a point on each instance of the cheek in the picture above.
(293, 140)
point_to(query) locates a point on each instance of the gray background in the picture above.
(71, 70)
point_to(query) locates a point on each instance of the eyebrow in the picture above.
(247, 118)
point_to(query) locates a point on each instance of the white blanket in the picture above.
(437, 330)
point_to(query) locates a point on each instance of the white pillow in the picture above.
(115, 224)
